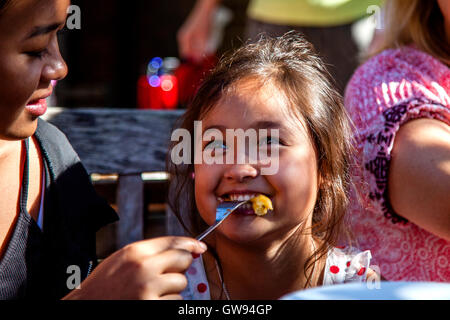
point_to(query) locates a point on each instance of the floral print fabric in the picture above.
(390, 89)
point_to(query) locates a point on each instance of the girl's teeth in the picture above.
(241, 197)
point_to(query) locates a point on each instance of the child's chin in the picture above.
(243, 235)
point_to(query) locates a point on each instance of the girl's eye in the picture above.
(215, 144)
(269, 141)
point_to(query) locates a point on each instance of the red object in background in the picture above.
(190, 76)
(160, 92)
(148, 97)
(168, 91)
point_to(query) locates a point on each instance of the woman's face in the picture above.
(292, 188)
(29, 61)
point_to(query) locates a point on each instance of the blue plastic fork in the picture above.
(224, 209)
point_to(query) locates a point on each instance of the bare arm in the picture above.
(194, 34)
(419, 176)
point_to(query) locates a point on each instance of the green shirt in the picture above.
(311, 13)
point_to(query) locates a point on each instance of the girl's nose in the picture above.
(56, 67)
(240, 172)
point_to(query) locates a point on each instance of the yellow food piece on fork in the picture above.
(261, 205)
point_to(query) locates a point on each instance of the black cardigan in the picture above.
(73, 213)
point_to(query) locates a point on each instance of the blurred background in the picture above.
(116, 42)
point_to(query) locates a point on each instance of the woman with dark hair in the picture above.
(49, 211)
(400, 103)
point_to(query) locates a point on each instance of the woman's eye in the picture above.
(216, 144)
(37, 54)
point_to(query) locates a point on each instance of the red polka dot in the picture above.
(361, 271)
(348, 264)
(340, 247)
(334, 269)
(195, 255)
(201, 287)
(192, 271)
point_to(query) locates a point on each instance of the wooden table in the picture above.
(124, 143)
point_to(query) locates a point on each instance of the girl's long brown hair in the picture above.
(291, 64)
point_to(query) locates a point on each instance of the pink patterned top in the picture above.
(387, 91)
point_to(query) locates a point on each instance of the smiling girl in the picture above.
(274, 84)
(49, 212)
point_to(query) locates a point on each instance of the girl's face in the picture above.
(29, 61)
(292, 189)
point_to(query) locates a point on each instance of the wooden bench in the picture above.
(124, 151)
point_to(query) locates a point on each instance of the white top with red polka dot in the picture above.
(343, 265)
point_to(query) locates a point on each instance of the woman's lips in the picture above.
(37, 108)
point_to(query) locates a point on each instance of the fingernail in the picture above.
(203, 245)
